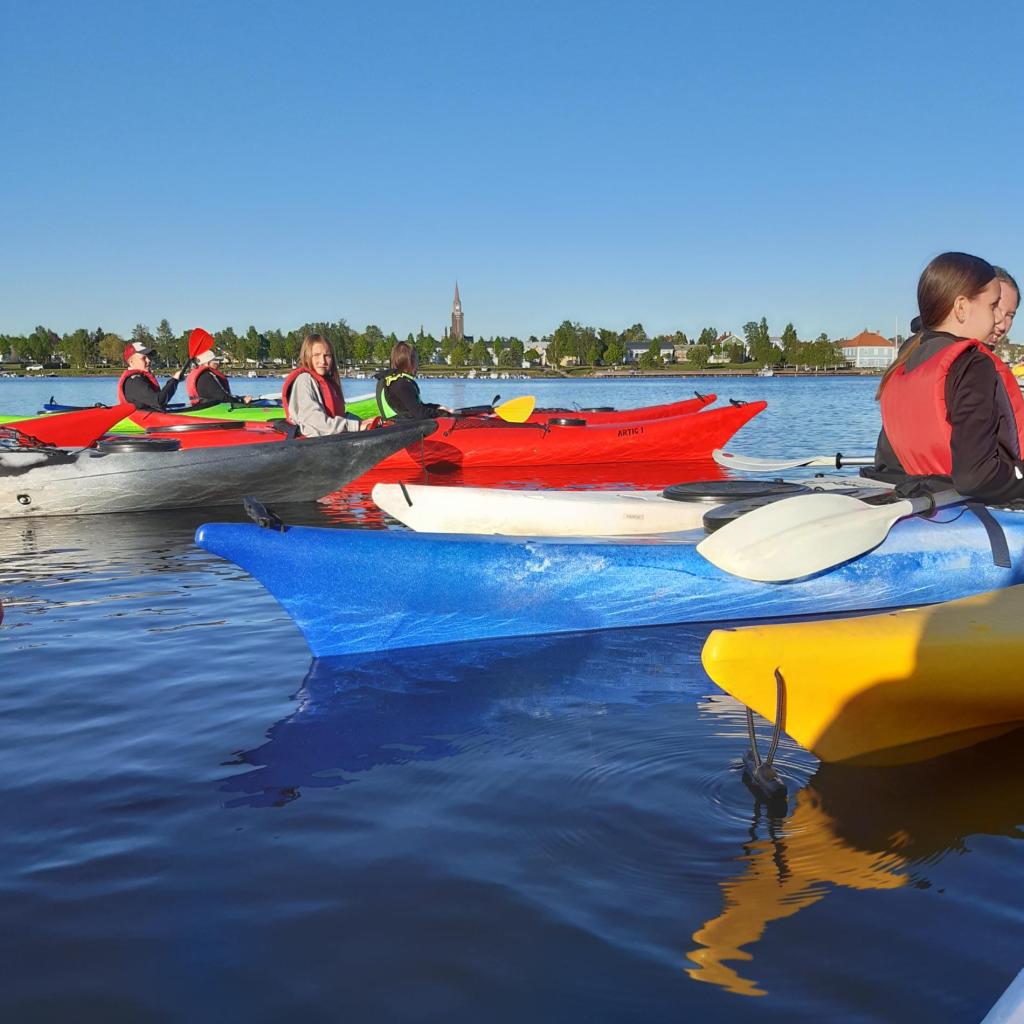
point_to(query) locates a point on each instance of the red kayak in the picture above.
(192, 432)
(473, 443)
(606, 414)
(77, 429)
(602, 414)
(460, 444)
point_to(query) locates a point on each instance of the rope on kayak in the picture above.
(13, 439)
(761, 774)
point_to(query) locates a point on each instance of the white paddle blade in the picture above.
(753, 464)
(800, 536)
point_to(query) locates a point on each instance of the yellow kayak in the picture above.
(884, 689)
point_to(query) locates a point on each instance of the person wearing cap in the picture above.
(207, 384)
(138, 386)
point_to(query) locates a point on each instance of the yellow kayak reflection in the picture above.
(861, 828)
(781, 875)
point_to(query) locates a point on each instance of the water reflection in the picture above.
(147, 541)
(359, 712)
(651, 816)
(860, 828)
(56, 562)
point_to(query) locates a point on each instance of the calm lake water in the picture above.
(202, 824)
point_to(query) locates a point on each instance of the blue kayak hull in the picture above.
(353, 591)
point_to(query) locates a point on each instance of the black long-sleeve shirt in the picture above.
(986, 464)
(403, 395)
(212, 389)
(141, 393)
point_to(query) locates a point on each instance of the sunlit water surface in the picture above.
(202, 824)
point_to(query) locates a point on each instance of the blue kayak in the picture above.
(354, 591)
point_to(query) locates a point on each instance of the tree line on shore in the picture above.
(570, 342)
(591, 346)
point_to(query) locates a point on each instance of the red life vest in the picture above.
(915, 417)
(330, 395)
(192, 382)
(131, 373)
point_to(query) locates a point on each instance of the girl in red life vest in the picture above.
(311, 394)
(952, 411)
(138, 385)
(207, 384)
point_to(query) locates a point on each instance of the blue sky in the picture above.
(675, 163)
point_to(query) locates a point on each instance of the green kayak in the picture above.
(363, 406)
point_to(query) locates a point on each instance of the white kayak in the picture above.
(561, 513)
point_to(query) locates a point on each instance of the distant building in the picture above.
(541, 345)
(635, 349)
(868, 351)
(458, 331)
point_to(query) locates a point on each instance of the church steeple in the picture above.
(458, 328)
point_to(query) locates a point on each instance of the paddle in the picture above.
(751, 464)
(72, 429)
(516, 410)
(807, 534)
(199, 341)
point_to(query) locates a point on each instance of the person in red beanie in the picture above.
(207, 384)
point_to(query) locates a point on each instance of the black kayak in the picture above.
(144, 474)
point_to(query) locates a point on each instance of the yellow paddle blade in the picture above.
(516, 410)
